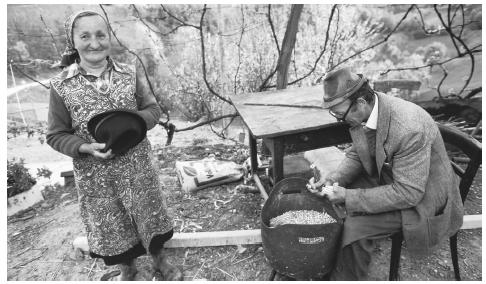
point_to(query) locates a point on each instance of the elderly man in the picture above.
(398, 149)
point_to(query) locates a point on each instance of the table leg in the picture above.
(253, 154)
(277, 160)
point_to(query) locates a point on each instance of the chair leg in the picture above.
(455, 260)
(396, 250)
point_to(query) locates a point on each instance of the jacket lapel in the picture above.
(361, 146)
(382, 130)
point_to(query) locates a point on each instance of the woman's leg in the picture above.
(159, 255)
(128, 270)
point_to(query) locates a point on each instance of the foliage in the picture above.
(18, 178)
(244, 68)
(433, 52)
(241, 49)
(44, 172)
(384, 23)
(30, 45)
(14, 129)
(199, 141)
(345, 40)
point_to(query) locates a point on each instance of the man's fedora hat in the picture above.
(120, 129)
(339, 85)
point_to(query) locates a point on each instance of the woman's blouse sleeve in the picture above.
(60, 134)
(148, 108)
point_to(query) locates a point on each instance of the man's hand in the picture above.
(94, 150)
(334, 192)
(316, 185)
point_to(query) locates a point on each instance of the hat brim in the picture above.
(345, 96)
(96, 121)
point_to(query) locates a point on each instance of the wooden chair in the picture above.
(472, 148)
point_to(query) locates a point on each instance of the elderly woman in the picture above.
(122, 204)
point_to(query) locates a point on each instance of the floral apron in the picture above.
(121, 200)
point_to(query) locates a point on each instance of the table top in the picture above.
(273, 121)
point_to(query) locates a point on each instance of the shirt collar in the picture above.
(75, 69)
(373, 119)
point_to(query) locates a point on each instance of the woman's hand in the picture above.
(94, 150)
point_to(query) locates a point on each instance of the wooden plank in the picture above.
(67, 174)
(220, 238)
(258, 183)
(333, 134)
(277, 159)
(472, 222)
(241, 237)
(246, 237)
(282, 105)
(253, 154)
(272, 121)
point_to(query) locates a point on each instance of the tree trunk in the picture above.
(222, 77)
(288, 46)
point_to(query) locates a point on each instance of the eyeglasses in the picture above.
(339, 117)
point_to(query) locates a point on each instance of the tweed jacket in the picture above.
(414, 170)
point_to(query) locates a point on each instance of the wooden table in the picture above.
(287, 130)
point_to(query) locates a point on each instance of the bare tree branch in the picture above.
(463, 20)
(442, 80)
(284, 56)
(264, 86)
(239, 46)
(269, 16)
(473, 92)
(29, 77)
(52, 37)
(455, 38)
(203, 50)
(427, 65)
(136, 55)
(222, 133)
(333, 9)
(380, 42)
(293, 63)
(334, 41)
(203, 54)
(438, 30)
(447, 26)
(209, 121)
(173, 30)
(473, 50)
(183, 23)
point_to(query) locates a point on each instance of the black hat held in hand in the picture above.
(119, 129)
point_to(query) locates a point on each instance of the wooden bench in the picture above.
(68, 178)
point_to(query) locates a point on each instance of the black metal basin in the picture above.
(303, 252)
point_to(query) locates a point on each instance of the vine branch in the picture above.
(136, 55)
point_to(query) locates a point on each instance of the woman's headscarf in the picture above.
(70, 54)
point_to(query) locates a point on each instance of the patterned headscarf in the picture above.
(70, 54)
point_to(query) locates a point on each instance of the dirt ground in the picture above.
(40, 238)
